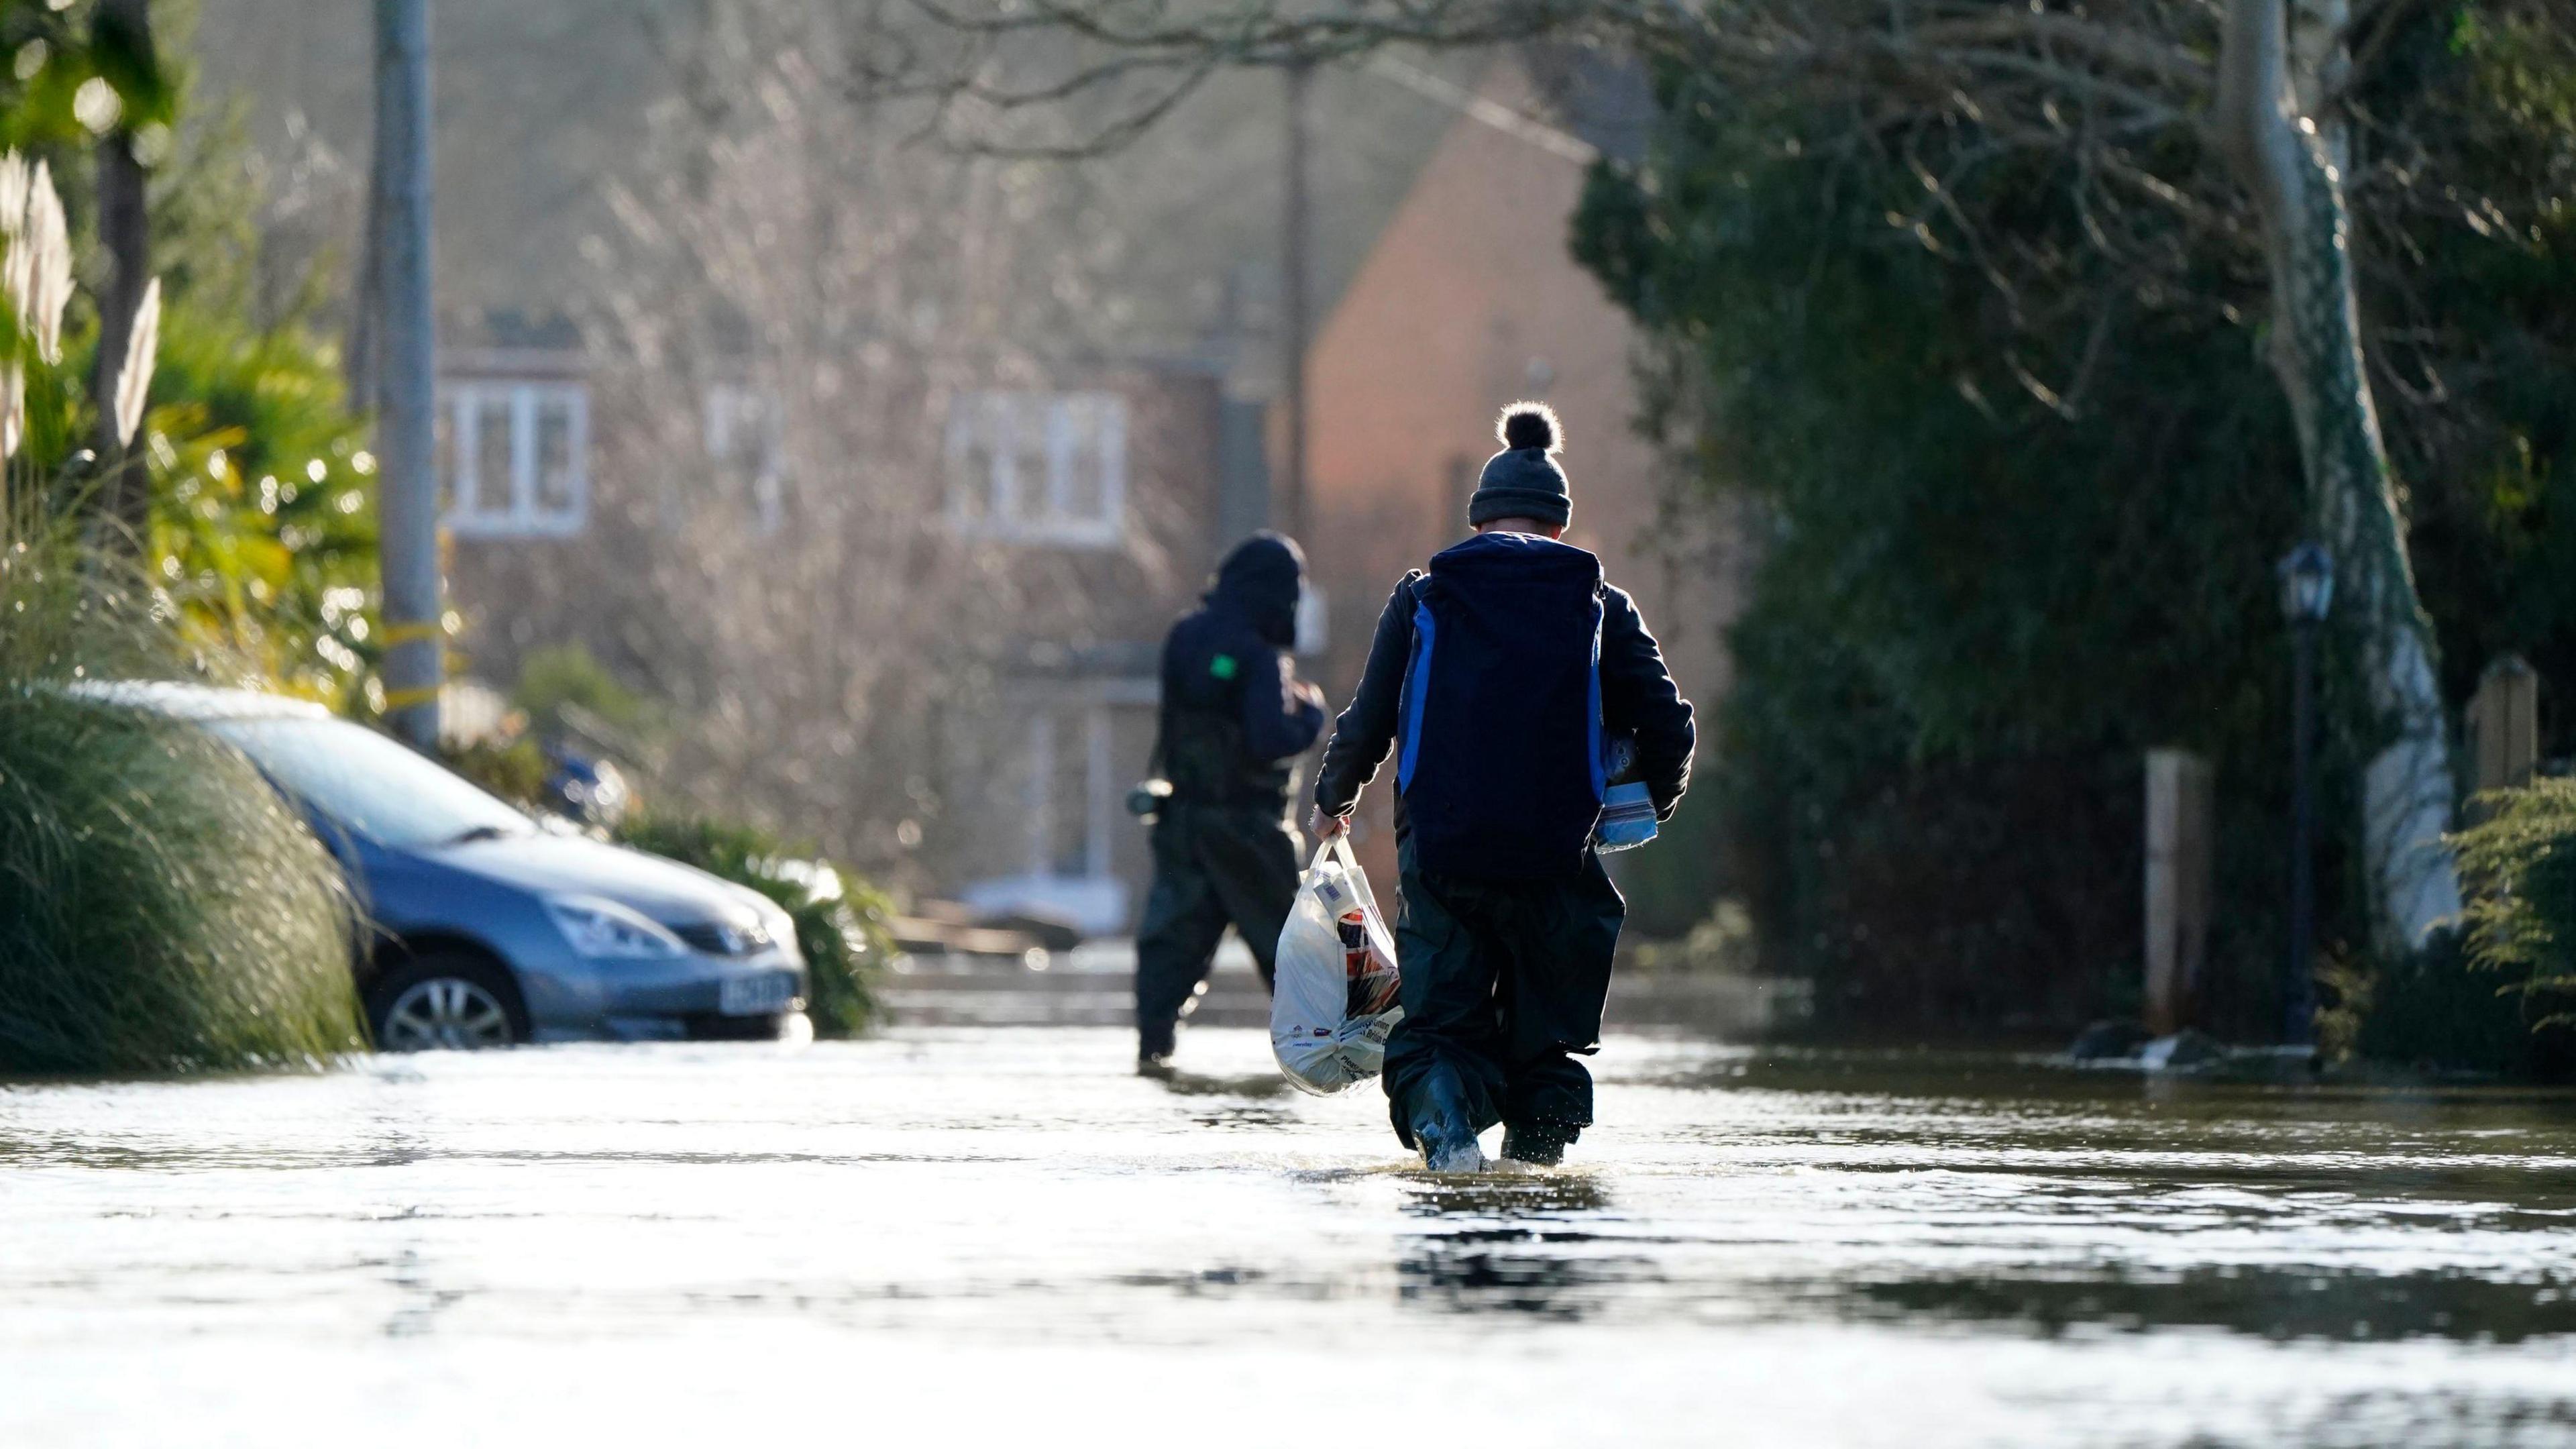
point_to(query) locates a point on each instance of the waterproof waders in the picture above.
(1213, 865)
(1503, 985)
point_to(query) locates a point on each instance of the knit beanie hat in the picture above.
(1523, 480)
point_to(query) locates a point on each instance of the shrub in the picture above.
(840, 919)
(263, 504)
(568, 678)
(513, 769)
(2434, 1009)
(161, 909)
(2495, 995)
(2520, 866)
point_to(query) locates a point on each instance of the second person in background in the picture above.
(1234, 720)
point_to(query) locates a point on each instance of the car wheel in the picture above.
(446, 1003)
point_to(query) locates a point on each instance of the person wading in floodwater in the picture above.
(1235, 717)
(1506, 670)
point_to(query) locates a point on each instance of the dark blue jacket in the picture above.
(1504, 764)
(1232, 723)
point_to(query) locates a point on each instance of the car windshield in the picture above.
(369, 784)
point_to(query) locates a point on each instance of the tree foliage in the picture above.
(260, 531)
(2522, 922)
(2469, 234)
(263, 503)
(66, 81)
(1999, 404)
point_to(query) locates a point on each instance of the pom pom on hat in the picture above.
(1523, 480)
(1530, 425)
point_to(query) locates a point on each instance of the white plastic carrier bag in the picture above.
(1334, 1000)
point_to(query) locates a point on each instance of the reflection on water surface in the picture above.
(971, 1233)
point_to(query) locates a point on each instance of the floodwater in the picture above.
(979, 1236)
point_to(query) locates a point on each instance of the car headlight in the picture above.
(783, 931)
(782, 927)
(603, 929)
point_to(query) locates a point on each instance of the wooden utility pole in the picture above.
(407, 372)
(1293, 308)
(121, 28)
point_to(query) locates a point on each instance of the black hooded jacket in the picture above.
(1637, 698)
(1232, 721)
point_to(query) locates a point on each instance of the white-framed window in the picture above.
(514, 457)
(746, 437)
(1039, 467)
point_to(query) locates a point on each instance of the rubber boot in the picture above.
(1154, 1050)
(1539, 1144)
(1440, 1126)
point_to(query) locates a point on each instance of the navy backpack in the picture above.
(1501, 762)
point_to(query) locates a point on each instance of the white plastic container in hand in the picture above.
(1334, 998)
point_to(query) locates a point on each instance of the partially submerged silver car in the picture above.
(489, 928)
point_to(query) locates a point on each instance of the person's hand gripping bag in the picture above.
(1334, 1000)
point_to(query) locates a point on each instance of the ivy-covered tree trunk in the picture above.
(2292, 164)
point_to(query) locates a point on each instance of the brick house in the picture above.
(1469, 300)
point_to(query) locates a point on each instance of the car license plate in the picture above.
(756, 995)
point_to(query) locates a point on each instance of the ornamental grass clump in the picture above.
(161, 909)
